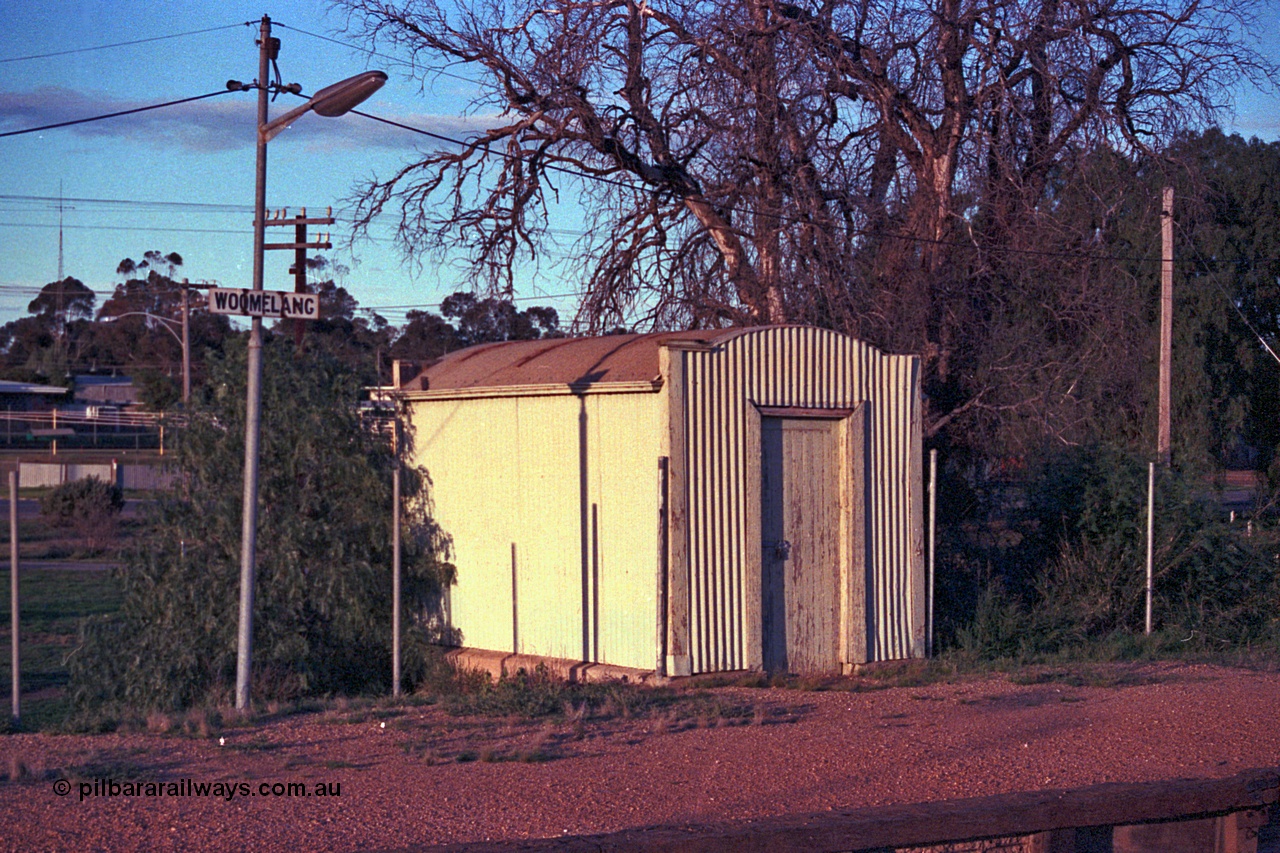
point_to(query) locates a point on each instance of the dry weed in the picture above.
(159, 722)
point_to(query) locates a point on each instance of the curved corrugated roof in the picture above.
(576, 362)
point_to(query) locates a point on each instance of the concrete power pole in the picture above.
(1166, 326)
(253, 404)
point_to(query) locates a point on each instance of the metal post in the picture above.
(253, 404)
(186, 342)
(1163, 439)
(14, 656)
(395, 558)
(1151, 515)
(933, 537)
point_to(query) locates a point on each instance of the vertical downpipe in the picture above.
(584, 528)
(595, 583)
(515, 605)
(664, 565)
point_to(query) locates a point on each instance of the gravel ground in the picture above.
(413, 777)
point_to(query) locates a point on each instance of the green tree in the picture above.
(358, 338)
(1227, 297)
(425, 336)
(322, 604)
(44, 345)
(483, 321)
(60, 302)
(125, 338)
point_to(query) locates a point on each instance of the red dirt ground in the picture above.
(403, 784)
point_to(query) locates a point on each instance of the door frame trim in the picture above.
(851, 439)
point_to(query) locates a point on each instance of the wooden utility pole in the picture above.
(300, 271)
(299, 247)
(1166, 326)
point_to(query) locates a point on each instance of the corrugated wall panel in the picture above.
(801, 368)
(545, 518)
(571, 482)
(625, 490)
(480, 517)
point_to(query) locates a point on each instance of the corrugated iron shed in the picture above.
(589, 484)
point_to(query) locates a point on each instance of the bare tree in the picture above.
(703, 136)
(871, 166)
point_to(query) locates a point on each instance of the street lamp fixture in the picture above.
(331, 101)
(183, 338)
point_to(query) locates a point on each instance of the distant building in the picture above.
(105, 390)
(29, 397)
(679, 503)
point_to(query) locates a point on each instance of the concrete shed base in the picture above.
(498, 664)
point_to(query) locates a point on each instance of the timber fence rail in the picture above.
(1064, 820)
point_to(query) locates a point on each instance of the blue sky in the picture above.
(181, 179)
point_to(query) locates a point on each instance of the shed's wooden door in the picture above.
(800, 531)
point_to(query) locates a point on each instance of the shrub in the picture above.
(1068, 568)
(88, 506)
(322, 608)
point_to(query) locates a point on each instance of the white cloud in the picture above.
(222, 123)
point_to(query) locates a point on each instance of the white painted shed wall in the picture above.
(510, 469)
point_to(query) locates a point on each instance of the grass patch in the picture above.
(879, 676)
(52, 604)
(40, 540)
(1087, 676)
(1170, 644)
(539, 695)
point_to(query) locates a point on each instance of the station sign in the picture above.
(264, 303)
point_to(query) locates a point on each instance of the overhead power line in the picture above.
(115, 114)
(189, 205)
(122, 43)
(167, 229)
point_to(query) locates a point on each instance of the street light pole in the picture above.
(331, 101)
(253, 406)
(183, 339)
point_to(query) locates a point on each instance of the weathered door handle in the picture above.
(781, 549)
